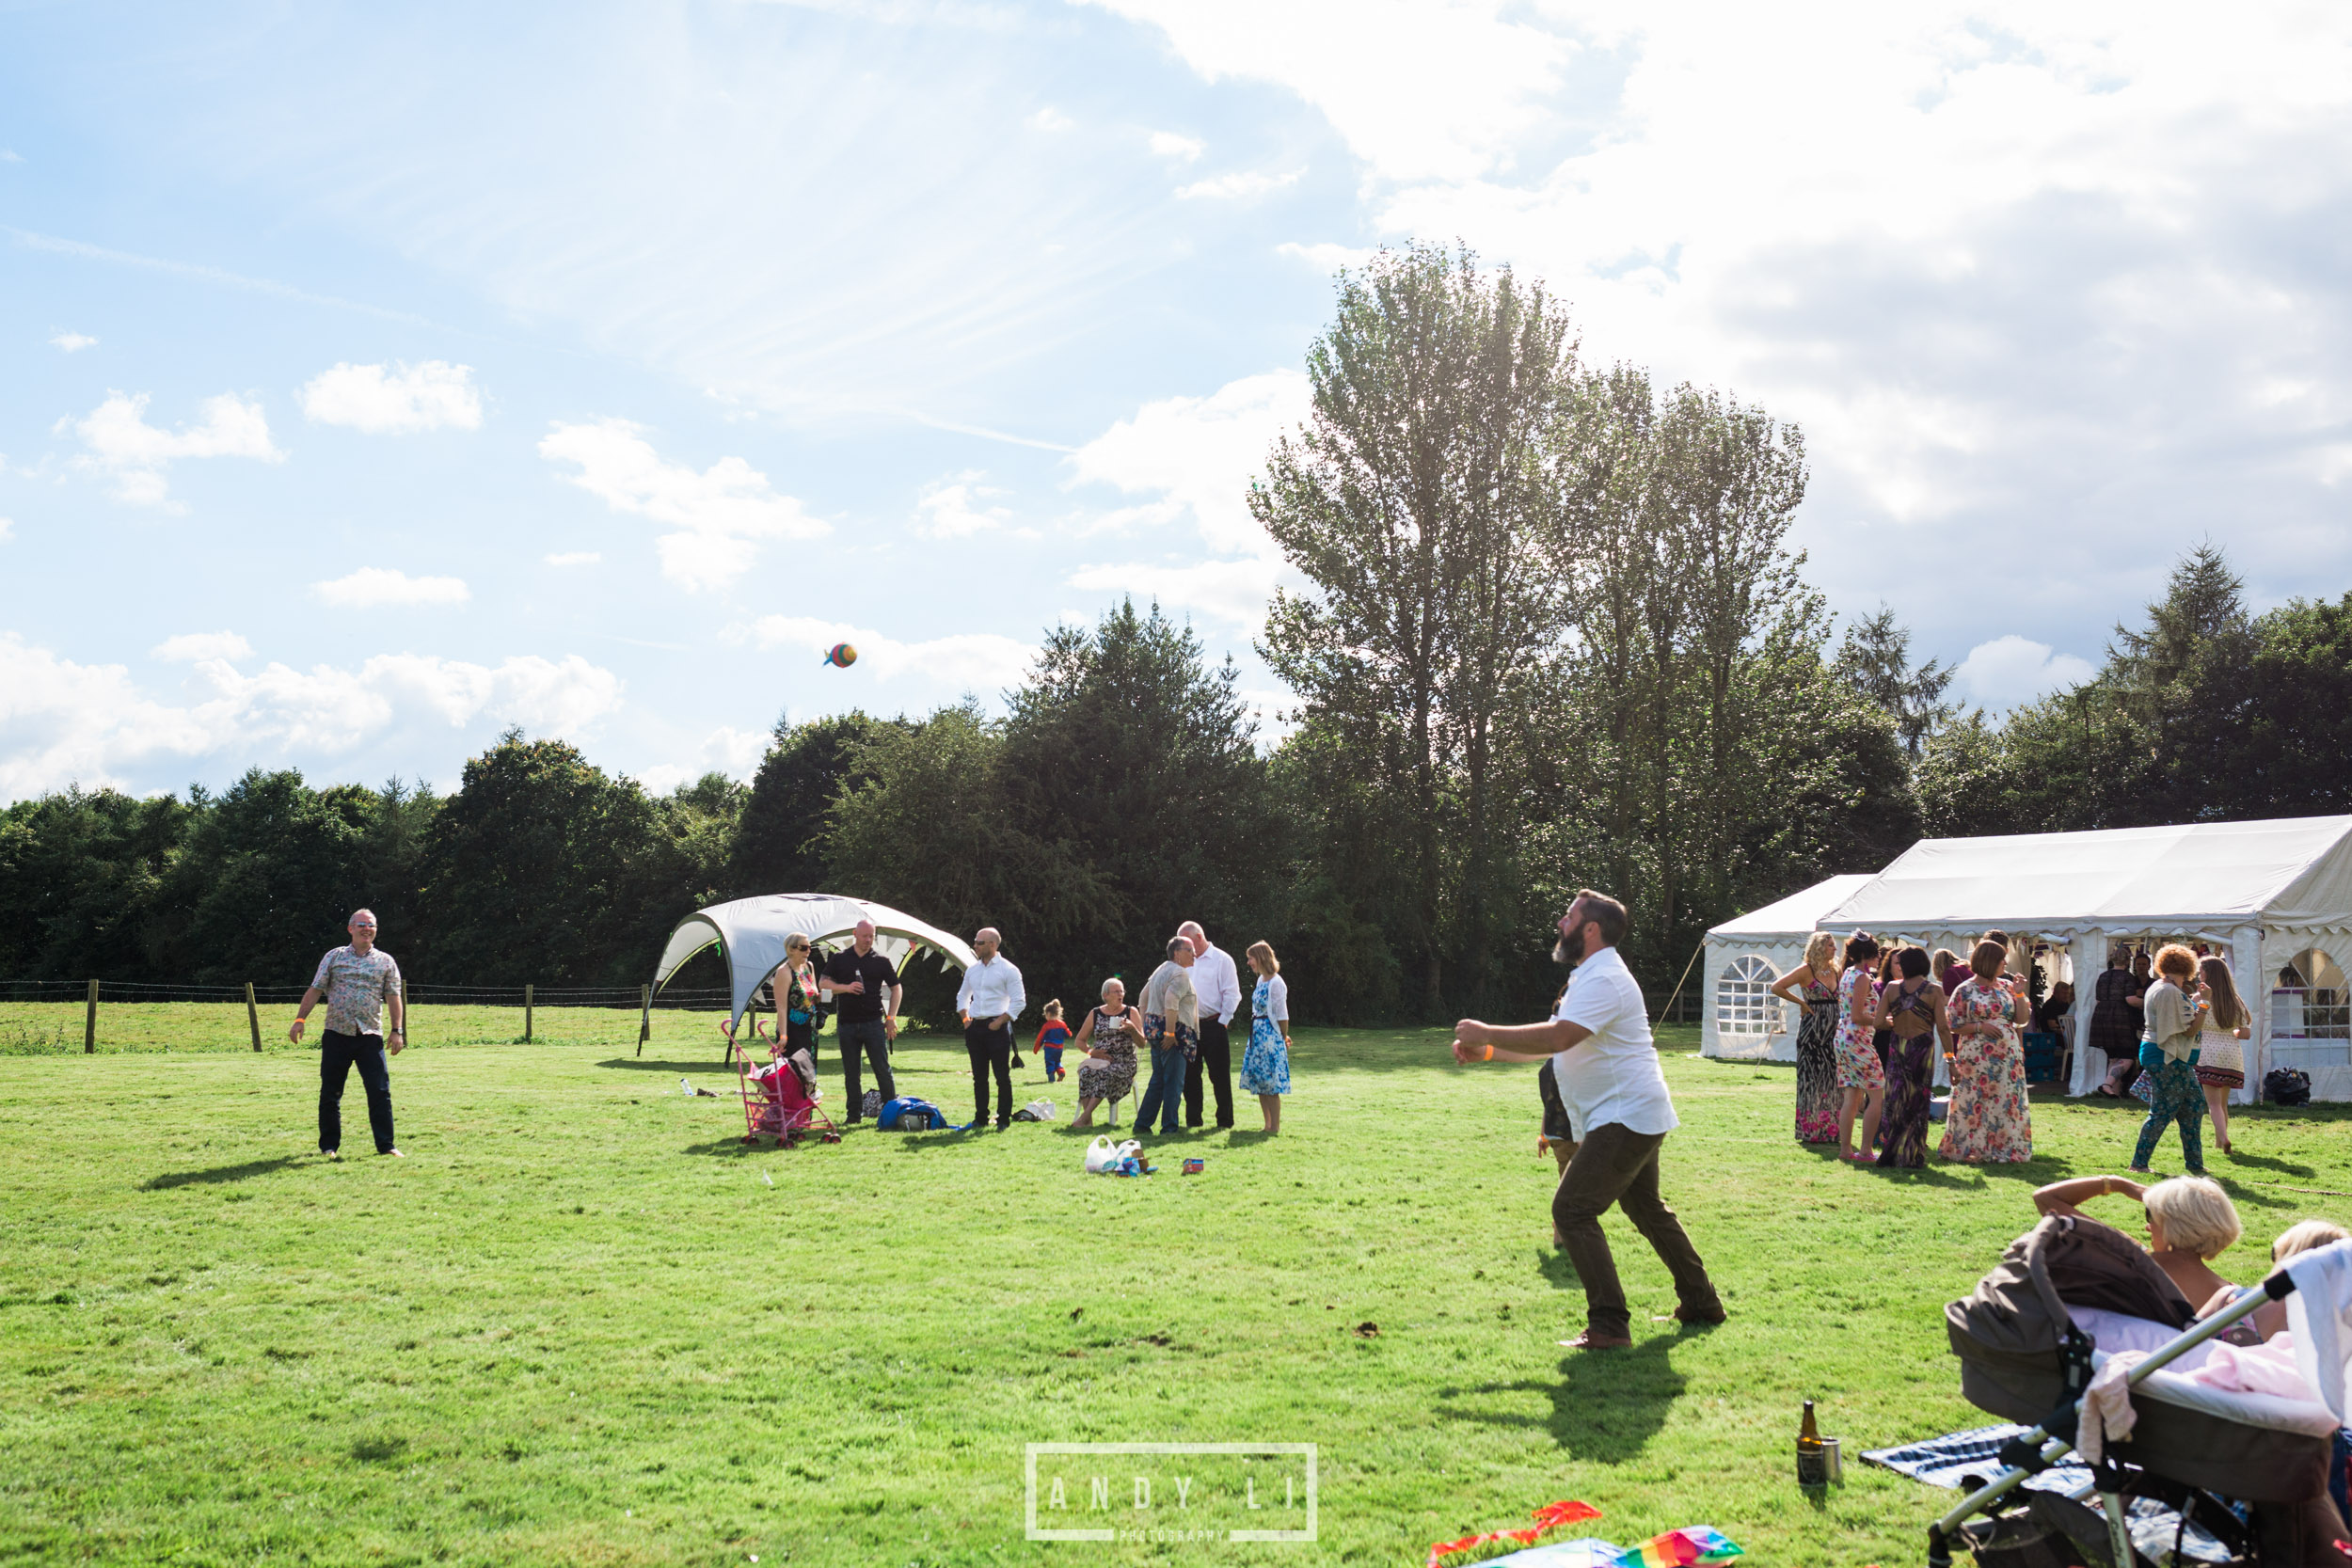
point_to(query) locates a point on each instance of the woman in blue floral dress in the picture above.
(1265, 1062)
(1987, 1121)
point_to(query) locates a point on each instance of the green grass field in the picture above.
(581, 1322)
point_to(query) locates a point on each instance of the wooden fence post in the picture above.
(89, 1024)
(645, 1017)
(527, 1001)
(253, 1017)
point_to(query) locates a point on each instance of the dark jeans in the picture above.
(990, 1046)
(1216, 1063)
(338, 1055)
(1167, 1088)
(1616, 1164)
(864, 1037)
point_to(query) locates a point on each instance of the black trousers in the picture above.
(864, 1036)
(338, 1055)
(1216, 1064)
(990, 1046)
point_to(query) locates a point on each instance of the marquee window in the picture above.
(1745, 1002)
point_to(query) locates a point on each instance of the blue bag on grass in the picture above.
(908, 1114)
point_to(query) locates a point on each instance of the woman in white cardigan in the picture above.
(1266, 1063)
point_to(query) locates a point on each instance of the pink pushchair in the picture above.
(780, 1099)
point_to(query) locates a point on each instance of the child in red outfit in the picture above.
(1051, 1039)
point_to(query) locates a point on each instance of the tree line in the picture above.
(1552, 633)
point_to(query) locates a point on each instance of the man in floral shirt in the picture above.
(357, 982)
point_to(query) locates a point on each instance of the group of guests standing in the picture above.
(1183, 1021)
(1866, 1051)
(1874, 1016)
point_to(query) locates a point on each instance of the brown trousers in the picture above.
(1616, 1164)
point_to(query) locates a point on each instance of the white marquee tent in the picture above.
(751, 934)
(2274, 898)
(1740, 1016)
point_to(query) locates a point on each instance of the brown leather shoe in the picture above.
(1590, 1341)
(1715, 1315)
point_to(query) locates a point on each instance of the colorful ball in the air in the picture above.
(841, 656)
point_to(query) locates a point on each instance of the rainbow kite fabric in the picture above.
(1549, 1517)
(1681, 1548)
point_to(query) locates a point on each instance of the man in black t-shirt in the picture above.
(863, 985)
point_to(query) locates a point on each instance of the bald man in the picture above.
(989, 1000)
(357, 984)
(865, 994)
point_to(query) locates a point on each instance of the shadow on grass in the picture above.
(1606, 1405)
(2266, 1162)
(217, 1175)
(630, 1064)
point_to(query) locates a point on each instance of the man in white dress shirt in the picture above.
(1606, 1065)
(989, 1000)
(1219, 986)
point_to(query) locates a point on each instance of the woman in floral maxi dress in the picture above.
(1813, 986)
(1987, 1122)
(1861, 1076)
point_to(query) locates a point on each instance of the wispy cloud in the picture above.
(982, 662)
(396, 401)
(73, 343)
(718, 516)
(959, 506)
(1168, 144)
(375, 587)
(1051, 118)
(34, 241)
(195, 647)
(1197, 455)
(119, 442)
(1237, 186)
(574, 558)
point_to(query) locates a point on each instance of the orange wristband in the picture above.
(1490, 1053)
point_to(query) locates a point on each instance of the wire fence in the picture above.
(45, 1017)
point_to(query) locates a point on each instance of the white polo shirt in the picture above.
(1614, 1074)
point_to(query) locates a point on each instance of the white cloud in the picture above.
(1227, 187)
(7, 530)
(73, 343)
(957, 507)
(982, 662)
(725, 749)
(1051, 118)
(1199, 454)
(1167, 144)
(373, 587)
(1232, 591)
(2011, 669)
(717, 517)
(121, 442)
(1326, 257)
(1420, 90)
(9, 155)
(575, 558)
(401, 401)
(62, 723)
(195, 647)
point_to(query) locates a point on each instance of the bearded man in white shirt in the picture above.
(1606, 1065)
(1219, 986)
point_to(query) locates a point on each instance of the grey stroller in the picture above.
(2194, 1448)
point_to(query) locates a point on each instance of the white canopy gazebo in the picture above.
(2275, 898)
(1740, 1016)
(751, 932)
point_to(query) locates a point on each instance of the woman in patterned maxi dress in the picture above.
(1988, 1122)
(1861, 1076)
(1913, 1011)
(1813, 987)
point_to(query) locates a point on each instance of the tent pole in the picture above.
(1685, 974)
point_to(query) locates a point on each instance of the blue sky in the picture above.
(377, 377)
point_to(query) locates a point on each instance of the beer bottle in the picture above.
(1812, 1462)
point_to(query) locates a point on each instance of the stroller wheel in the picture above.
(751, 1138)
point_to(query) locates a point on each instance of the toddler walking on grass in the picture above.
(1051, 1039)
